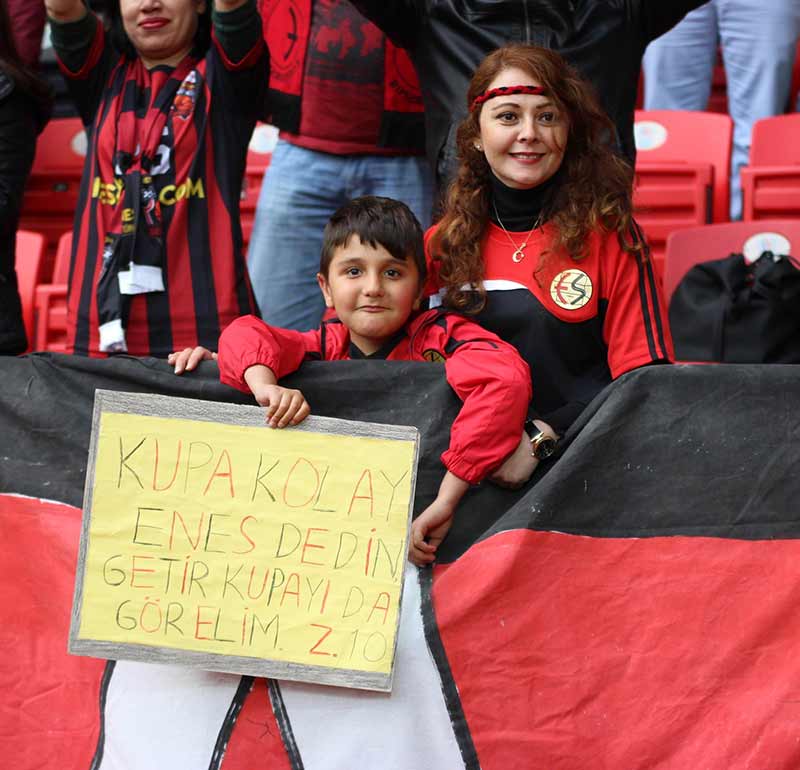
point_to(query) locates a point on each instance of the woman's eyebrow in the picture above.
(506, 105)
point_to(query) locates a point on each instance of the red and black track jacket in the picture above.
(578, 324)
(486, 373)
(198, 188)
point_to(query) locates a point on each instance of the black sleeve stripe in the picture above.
(323, 334)
(454, 344)
(651, 281)
(648, 328)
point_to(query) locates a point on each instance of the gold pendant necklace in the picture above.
(519, 251)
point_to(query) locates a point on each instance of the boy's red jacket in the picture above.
(486, 373)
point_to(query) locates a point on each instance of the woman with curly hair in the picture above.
(538, 242)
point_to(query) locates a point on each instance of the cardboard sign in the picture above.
(214, 541)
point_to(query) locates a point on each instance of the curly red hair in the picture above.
(594, 192)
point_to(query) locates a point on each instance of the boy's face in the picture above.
(372, 292)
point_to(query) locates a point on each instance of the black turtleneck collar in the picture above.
(519, 209)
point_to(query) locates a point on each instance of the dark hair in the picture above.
(24, 78)
(594, 191)
(121, 41)
(376, 221)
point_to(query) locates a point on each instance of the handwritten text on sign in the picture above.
(247, 541)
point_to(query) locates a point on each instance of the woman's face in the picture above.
(523, 136)
(162, 31)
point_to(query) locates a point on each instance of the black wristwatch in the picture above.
(542, 445)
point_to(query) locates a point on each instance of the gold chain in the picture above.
(519, 251)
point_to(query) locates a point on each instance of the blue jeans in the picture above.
(758, 42)
(301, 189)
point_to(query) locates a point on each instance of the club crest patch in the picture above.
(571, 289)
(433, 355)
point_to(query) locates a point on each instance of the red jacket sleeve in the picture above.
(249, 341)
(636, 327)
(494, 382)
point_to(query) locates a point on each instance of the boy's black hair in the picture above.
(379, 222)
(122, 43)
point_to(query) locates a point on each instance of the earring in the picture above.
(478, 147)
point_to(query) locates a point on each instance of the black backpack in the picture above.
(729, 310)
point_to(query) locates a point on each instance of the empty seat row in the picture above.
(683, 169)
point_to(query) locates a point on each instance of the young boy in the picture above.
(372, 271)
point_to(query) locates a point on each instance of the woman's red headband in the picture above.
(505, 91)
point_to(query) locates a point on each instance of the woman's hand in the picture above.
(186, 360)
(65, 10)
(518, 467)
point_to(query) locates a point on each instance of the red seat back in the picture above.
(685, 248)
(30, 254)
(51, 302)
(61, 265)
(771, 182)
(679, 136)
(51, 194)
(259, 153)
(776, 141)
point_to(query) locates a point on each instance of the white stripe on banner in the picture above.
(339, 729)
(164, 716)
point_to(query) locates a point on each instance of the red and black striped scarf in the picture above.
(133, 251)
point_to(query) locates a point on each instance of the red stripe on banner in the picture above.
(49, 700)
(256, 734)
(578, 652)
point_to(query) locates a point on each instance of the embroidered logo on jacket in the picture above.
(433, 355)
(571, 289)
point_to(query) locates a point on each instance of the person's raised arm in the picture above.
(65, 10)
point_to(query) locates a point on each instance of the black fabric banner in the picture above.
(695, 450)
(635, 606)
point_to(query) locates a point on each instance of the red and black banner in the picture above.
(634, 607)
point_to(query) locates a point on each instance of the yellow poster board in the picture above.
(212, 540)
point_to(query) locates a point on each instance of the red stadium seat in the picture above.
(51, 195)
(51, 302)
(30, 254)
(685, 248)
(682, 171)
(771, 182)
(258, 156)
